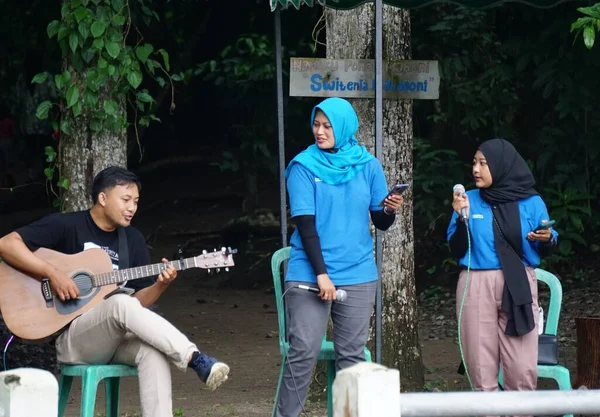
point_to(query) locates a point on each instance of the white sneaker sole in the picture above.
(218, 374)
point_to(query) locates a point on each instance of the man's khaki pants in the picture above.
(120, 330)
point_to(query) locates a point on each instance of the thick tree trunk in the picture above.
(350, 35)
(84, 153)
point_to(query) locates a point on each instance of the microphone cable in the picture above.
(287, 357)
(460, 311)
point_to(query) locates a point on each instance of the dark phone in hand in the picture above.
(398, 189)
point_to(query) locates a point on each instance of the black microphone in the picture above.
(463, 211)
(340, 295)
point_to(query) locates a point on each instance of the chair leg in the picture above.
(64, 390)
(89, 386)
(278, 387)
(112, 396)
(330, 378)
(564, 383)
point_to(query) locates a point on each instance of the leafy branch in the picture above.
(589, 25)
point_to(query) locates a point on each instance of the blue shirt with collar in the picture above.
(342, 222)
(483, 252)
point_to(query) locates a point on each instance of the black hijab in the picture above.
(512, 181)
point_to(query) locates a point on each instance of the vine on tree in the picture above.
(101, 71)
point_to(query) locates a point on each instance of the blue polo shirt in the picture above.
(342, 222)
(483, 252)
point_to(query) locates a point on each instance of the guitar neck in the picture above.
(129, 274)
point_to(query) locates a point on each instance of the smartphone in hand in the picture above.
(397, 189)
(543, 226)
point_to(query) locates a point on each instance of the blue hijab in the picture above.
(343, 165)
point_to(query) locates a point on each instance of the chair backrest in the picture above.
(555, 299)
(277, 259)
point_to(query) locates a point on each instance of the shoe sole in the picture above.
(218, 375)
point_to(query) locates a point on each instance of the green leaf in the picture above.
(565, 247)
(134, 78)
(95, 125)
(73, 41)
(77, 108)
(165, 56)
(53, 28)
(80, 14)
(72, 96)
(65, 127)
(119, 20)
(98, 44)
(83, 31)
(64, 183)
(117, 5)
(98, 28)
(49, 173)
(90, 98)
(111, 70)
(589, 35)
(40, 78)
(50, 154)
(144, 121)
(113, 49)
(144, 97)
(143, 52)
(156, 119)
(110, 107)
(43, 110)
(176, 77)
(63, 31)
(102, 63)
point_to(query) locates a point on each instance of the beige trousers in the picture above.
(484, 343)
(120, 330)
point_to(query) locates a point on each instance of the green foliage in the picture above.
(246, 68)
(588, 25)
(102, 71)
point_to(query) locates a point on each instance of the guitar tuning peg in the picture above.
(204, 252)
(208, 271)
(218, 270)
(223, 250)
(227, 269)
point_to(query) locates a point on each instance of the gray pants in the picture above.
(307, 317)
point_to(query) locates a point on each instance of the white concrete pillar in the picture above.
(366, 390)
(28, 392)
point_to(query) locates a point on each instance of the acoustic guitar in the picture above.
(32, 311)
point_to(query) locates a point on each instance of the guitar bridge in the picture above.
(47, 292)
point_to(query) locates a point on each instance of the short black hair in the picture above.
(111, 177)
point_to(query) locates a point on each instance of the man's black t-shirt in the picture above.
(71, 233)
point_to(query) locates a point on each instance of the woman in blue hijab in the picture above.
(335, 188)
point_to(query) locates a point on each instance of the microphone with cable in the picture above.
(340, 295)
(463, 211)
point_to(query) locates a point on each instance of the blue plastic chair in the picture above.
(556, 372)
(327, 352)
(91, 375)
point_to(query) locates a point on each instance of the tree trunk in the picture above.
(350, 35)
(588, 352)
(84, 153)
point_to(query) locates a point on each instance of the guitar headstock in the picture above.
(216, 259)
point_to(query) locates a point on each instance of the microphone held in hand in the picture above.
(463, 211)
(340, 295)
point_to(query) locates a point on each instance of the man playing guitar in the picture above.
(120, 329)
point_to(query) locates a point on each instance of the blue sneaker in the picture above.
(212, 372)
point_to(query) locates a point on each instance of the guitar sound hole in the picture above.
(84, 283)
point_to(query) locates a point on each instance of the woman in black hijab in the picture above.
(498, 311)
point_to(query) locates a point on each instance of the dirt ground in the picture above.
(232, 315)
